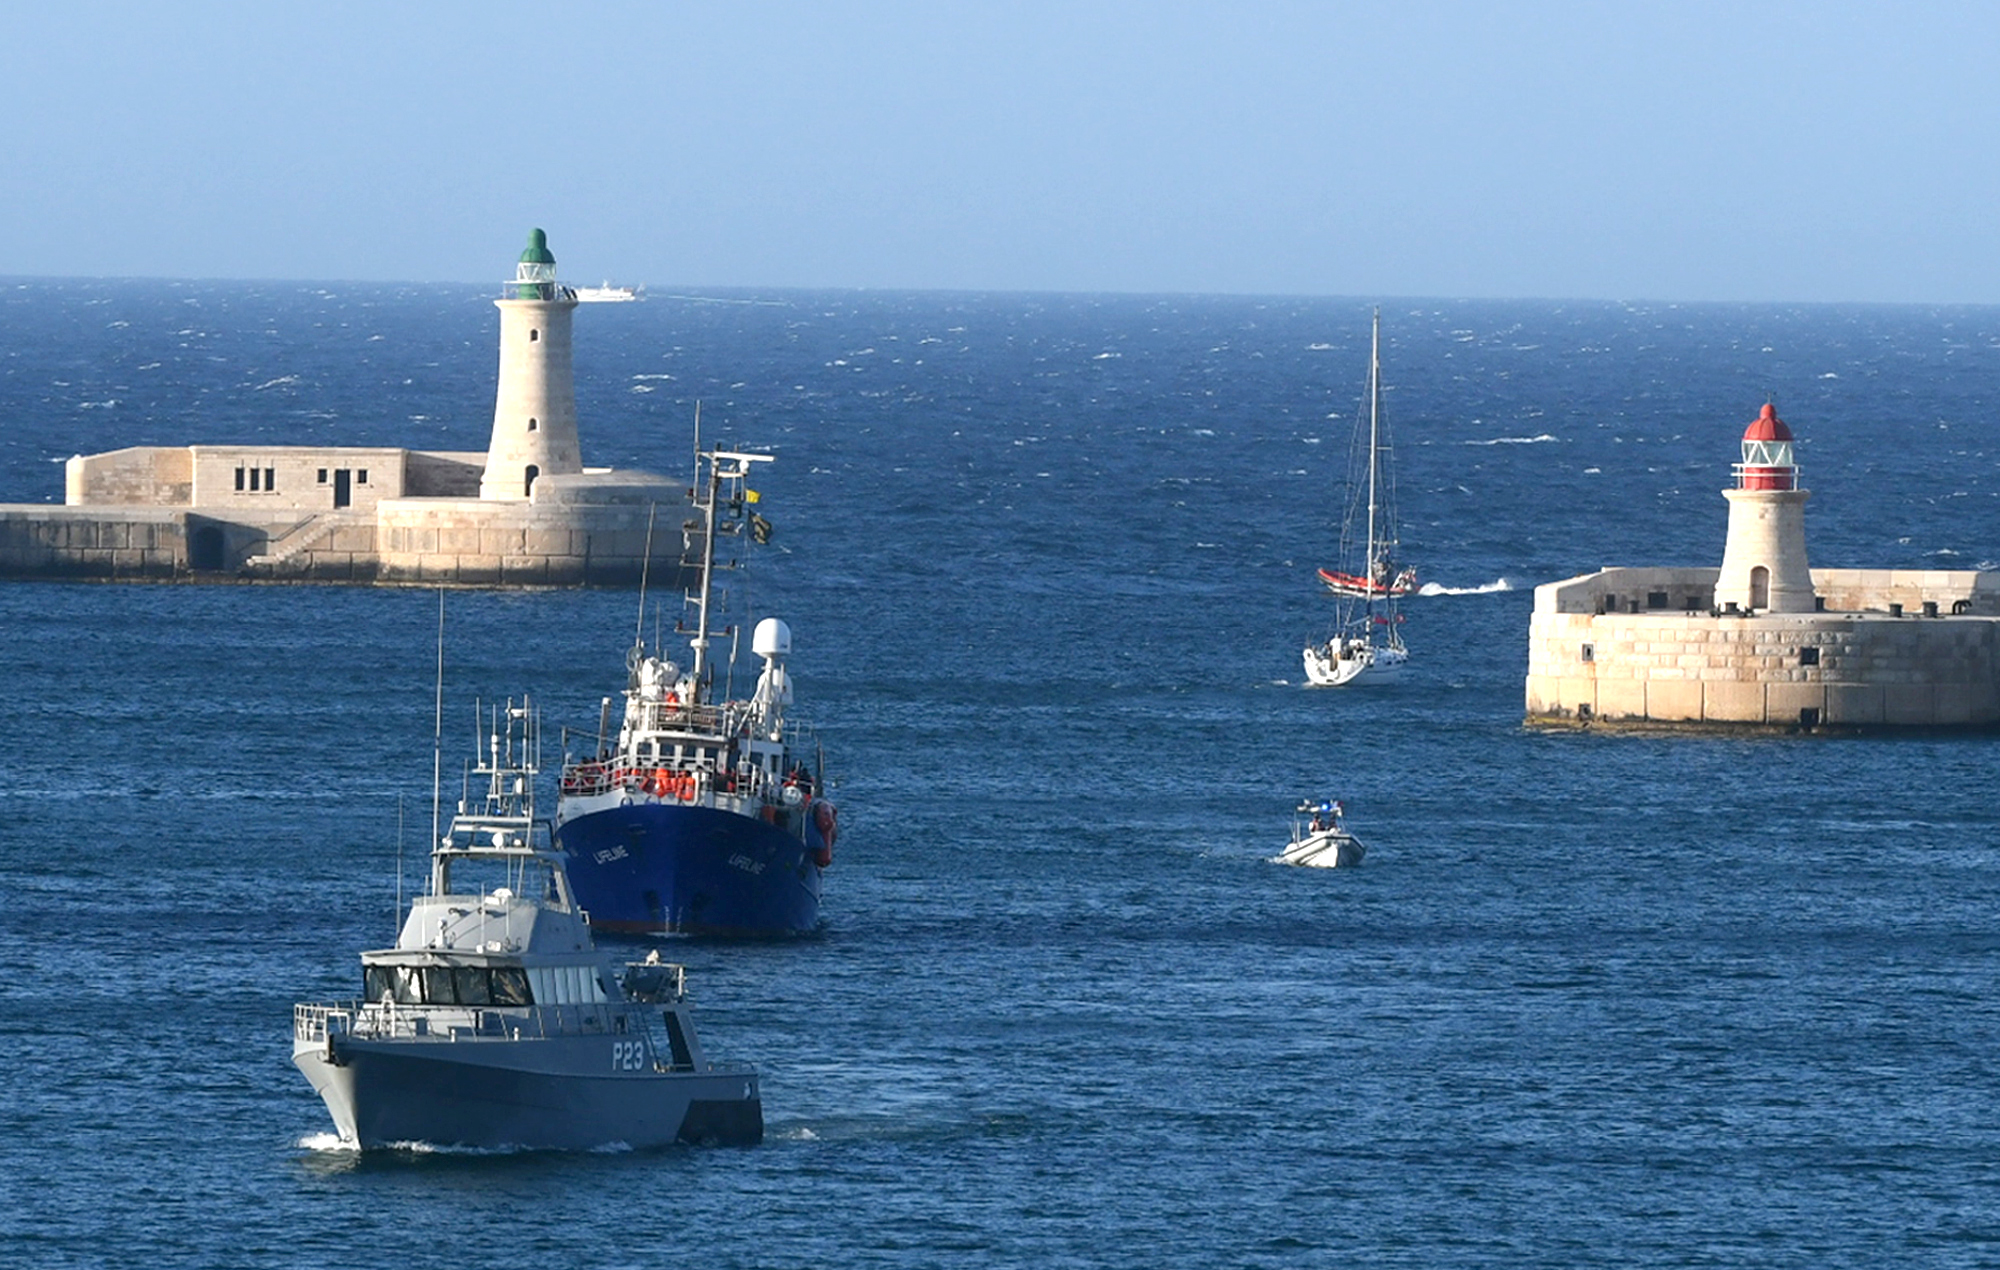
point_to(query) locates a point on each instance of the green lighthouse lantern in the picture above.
(535, 275)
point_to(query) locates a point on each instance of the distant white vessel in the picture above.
(606, 294)
(1320, 839)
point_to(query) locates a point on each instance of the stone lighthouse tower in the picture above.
(1764, 560)
(534, 413)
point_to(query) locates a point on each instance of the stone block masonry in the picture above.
(1855, 670)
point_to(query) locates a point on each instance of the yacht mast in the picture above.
(1374, 453)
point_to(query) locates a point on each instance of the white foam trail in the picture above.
(1433, 588)
(325, 1142)
(1536, 440)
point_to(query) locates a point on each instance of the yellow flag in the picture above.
(752, 496)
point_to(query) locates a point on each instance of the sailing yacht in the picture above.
(1366, 642)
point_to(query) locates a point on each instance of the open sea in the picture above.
(1593, 999)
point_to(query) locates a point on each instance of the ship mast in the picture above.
(1374, 452)
(724, 466)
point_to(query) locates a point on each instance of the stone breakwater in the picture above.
(181, 515)
(526, 512)
(1884, 649)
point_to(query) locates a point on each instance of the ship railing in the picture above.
(401, 1021)
(680, 716)
(687, 784)
(313, 1022)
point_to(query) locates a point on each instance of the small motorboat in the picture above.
(1320, 839)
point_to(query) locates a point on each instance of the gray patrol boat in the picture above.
(496, 1022)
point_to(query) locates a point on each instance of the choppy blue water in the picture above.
(1592, 999)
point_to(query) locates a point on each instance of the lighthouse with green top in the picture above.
(534, 412)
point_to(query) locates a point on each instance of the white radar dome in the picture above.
(772, 638)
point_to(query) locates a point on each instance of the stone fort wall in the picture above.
(1891, 649)
(352, 515)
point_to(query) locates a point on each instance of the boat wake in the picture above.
(326, 1142)
(1434, 588)
(1534, 440)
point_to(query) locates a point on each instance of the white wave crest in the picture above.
(1436, 588)
(326, 1142)
(1537, 440)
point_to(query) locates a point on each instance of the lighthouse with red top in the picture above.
(1764, 560)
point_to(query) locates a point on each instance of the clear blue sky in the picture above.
(1687, 151)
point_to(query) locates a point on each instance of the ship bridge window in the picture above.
(473, 985)
(447, 985)
(438, 989)
(510, 986)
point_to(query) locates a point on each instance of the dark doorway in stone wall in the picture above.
(528, 486)
(205, 548)
(343, 491)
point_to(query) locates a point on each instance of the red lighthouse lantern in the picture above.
(1767, 454)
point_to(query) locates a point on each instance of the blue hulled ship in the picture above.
(705, 815)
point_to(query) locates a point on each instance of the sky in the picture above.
(1691, 151)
